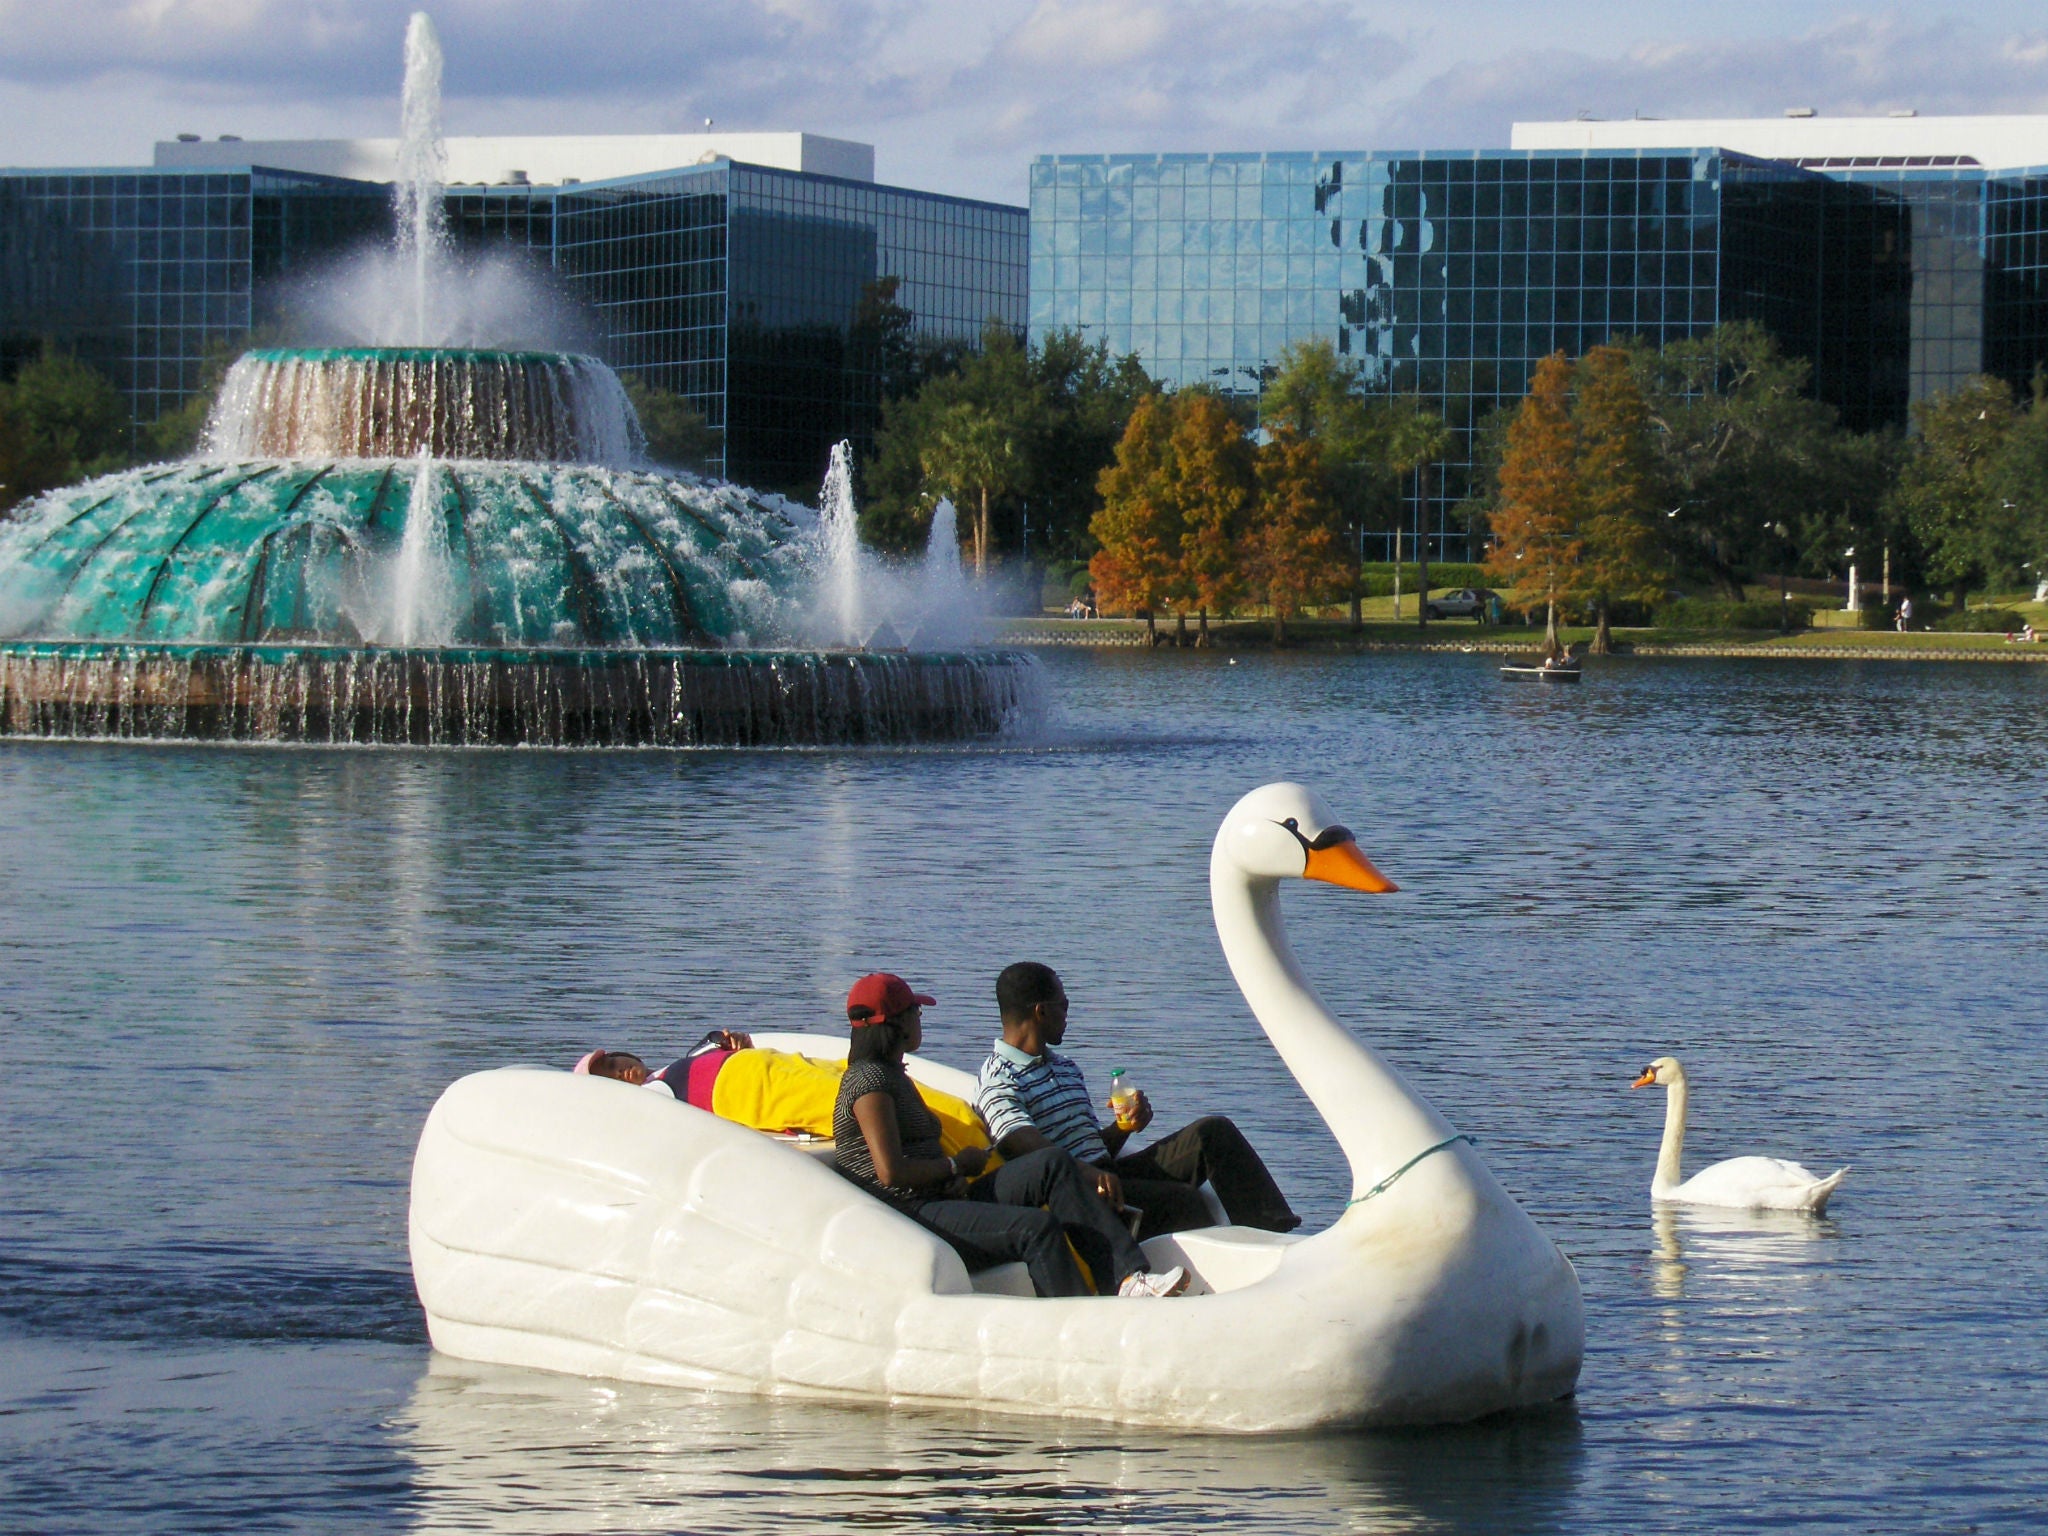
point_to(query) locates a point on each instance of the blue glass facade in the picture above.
(755, 293)
(142, 273)
(1451, 274)
(758, 295)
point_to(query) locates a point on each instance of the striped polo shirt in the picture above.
(1046, 1093)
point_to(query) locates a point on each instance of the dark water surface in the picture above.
(233, 981)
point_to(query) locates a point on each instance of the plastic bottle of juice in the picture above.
(1123, 1099)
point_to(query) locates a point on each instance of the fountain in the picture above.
(445, 546)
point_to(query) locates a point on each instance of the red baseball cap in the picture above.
(881, 996)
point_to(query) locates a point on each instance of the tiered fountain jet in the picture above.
(448, 547)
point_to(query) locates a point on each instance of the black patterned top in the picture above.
(917, 1129)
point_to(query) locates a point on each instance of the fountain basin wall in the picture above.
(395, 402)
(452, 696)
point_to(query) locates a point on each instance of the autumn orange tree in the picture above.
(1174, 511)
(1297, 558)
(1140, 526)
(1537, 546)
(1618, 488)
(1214, 481)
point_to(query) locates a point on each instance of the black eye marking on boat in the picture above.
(1329, 837)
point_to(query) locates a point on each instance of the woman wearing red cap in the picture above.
(887, 1141)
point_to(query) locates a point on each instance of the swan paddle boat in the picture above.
(587, 1226)
(1742, 1183)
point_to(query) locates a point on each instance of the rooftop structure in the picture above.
(1902, 140)
(548, 161)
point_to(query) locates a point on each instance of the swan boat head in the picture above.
(1285, 830)
(1426, 1217)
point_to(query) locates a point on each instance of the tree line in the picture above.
(1707, 462)
(1621, 475)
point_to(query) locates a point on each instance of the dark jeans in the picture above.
(1001, 1220)
(1161, 1181)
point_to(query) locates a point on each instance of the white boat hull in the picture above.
(578, 1225)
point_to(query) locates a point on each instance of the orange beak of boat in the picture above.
(1342, 864)
(1647, 1080)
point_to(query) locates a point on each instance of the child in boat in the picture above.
(887, 1141)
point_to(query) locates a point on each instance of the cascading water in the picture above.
(361, 402)
(457, 547)
(420, 208)
(423, 591)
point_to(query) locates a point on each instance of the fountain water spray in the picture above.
(422, 214)
(422, 597)
(945, 602)
(391, 541)
(839, 528)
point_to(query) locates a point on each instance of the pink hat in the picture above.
(582, 1067)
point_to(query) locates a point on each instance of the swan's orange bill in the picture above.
(1342, 864)
(1647, 1080)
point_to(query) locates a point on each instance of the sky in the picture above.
(958, 95)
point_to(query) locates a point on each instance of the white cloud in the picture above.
(1851, 67)
(959, 97)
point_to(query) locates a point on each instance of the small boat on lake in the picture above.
(1542, 671)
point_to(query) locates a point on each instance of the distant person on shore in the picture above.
(1033, 1098)
(1905, 614)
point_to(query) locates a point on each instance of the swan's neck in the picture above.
(1378, 1120)
(1671, 1156)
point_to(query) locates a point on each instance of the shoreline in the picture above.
(1333, 635)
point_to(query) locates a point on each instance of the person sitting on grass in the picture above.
(887, 1141)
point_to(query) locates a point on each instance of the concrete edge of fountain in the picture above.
(485, 696)
(272, 651)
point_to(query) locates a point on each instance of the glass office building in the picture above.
(144, 274)
(1450, 275)
(763, 296)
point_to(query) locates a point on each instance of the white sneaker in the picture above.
(1141, 1283)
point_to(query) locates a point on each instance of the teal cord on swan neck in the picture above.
(1388, 1182)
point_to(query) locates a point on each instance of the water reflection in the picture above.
(497, 1447)
(1742, 1248)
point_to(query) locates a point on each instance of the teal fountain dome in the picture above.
(447, 546)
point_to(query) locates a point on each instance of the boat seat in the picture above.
(1221, 1258)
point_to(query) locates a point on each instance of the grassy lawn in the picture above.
(1332, 629)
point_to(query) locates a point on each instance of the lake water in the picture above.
(233, 981)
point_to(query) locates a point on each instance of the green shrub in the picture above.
(1981, 621)
(1722, 613)
(1379, 576)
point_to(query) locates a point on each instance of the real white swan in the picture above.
(581, 1225)
(1747, 1183)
